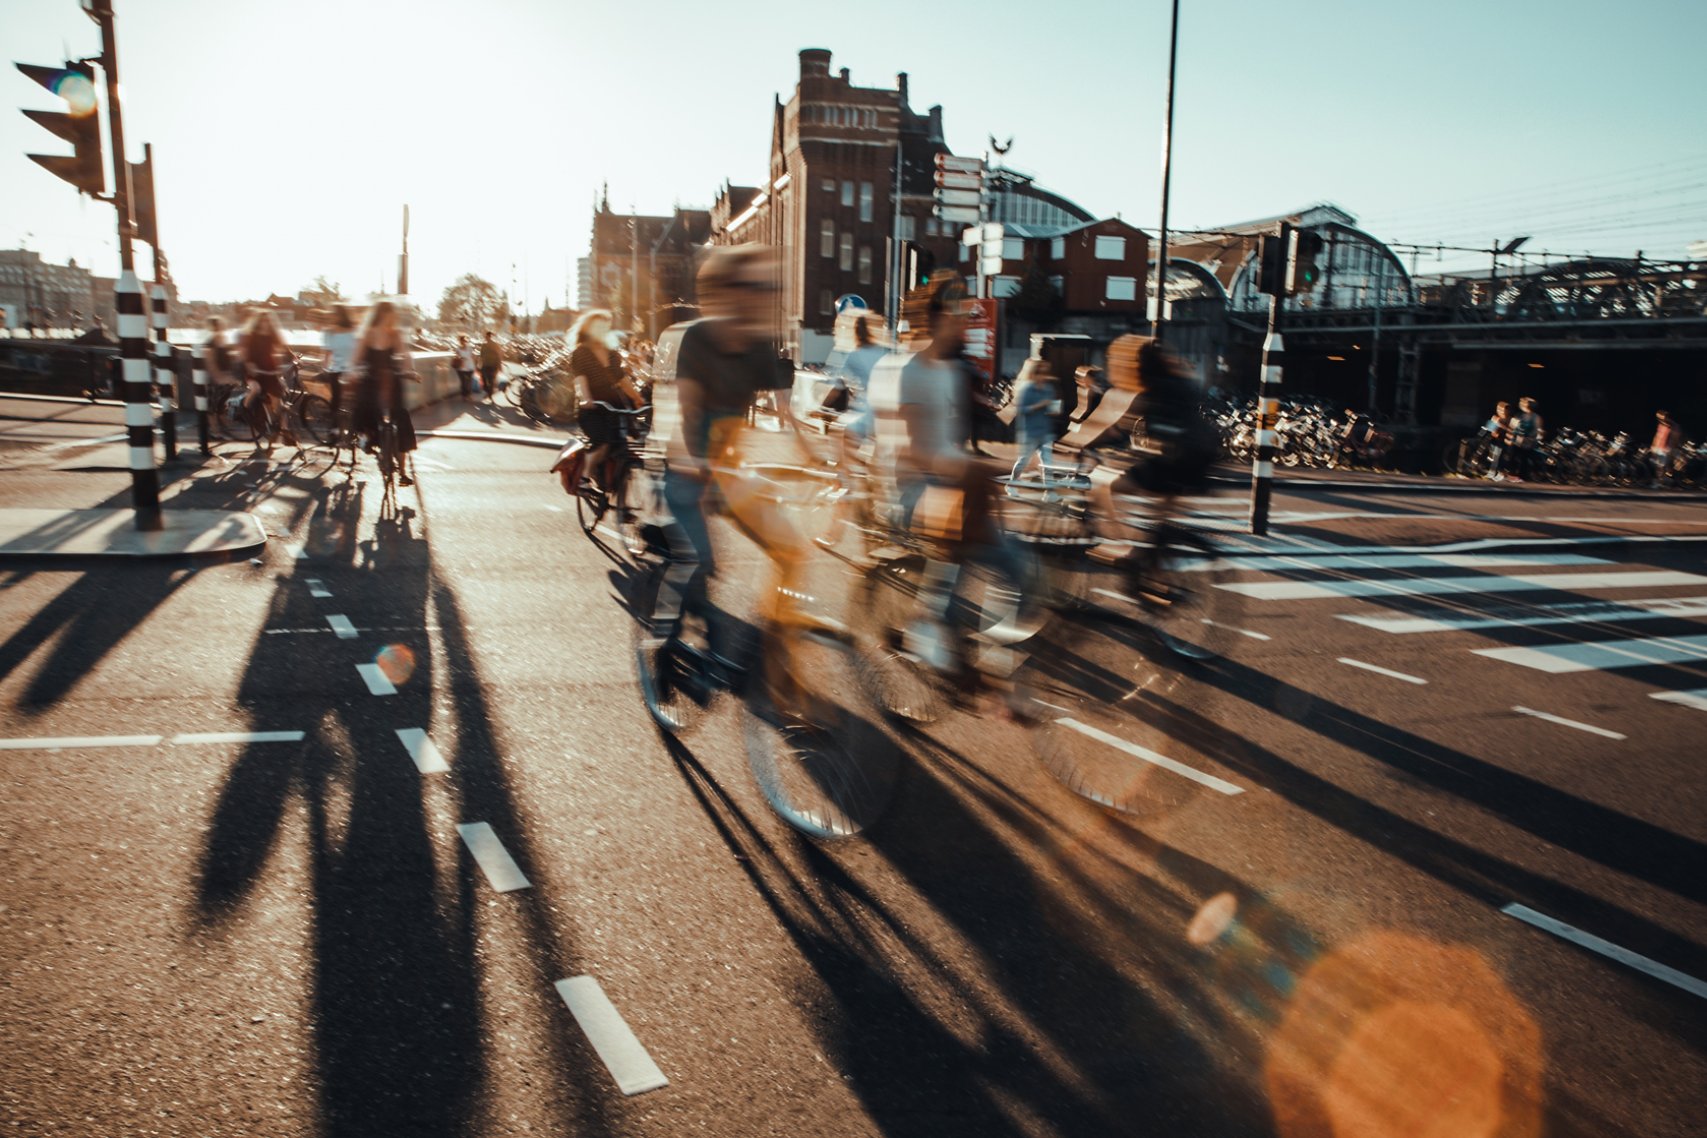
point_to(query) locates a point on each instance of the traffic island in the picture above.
(51, 533)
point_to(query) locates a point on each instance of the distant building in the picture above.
(32, 291)
(641, 266)
(583, 282)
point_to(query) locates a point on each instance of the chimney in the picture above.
(936, 123)
(901, 86)
(814, 63)
(844, 75)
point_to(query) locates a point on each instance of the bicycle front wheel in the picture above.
(314, 418)
(1179, 584)
(675, 690)
(817, 747)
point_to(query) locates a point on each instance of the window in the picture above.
(829, 185)
(1013, 249)
(1059, 284)
(1004, 286)
(965, 252)
(1111, 249)
(826, 302)
(1057, 248)
(1121, 288)
(847, 193)
(827, 239)
(865, 201)
(909, 228)
(865, 264)
(846, 260)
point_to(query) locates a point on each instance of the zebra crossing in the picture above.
(1531, 606)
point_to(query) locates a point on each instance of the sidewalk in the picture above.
(56, 533)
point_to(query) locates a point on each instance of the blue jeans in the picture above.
(691, 562)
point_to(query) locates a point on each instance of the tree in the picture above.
(323, 293)
(473, 303)
(1038, 300)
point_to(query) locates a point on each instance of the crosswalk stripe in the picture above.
(1437, 586)
(1696, 699)
(1307, 560)
(1577, 612)
(1597, 656)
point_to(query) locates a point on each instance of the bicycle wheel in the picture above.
(634, 508)
(817, 749)
(388, 463)
(897, 681)
(1178, 585)
(672, 680)
(590, 505)
(314, 418)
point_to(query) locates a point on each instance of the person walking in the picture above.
(1662, 452)
(382, 353)
(1525, 432)
(1037, 401)
(491, 362)
(1496, 430)
(462, 361)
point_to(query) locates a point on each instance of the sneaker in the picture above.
(929, 641)
(405, 480)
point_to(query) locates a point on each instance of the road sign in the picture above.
(954, 180)
(947, 162)
(992, 264)
(958, 214)
(980, 339)
(959, 197)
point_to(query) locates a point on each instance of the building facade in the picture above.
(47, 296)
(642, 267)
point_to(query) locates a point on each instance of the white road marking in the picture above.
(1240, 631)
(239, 737)
(608, 532)
(423, 750)
(301, 554)
(1696, 699)
(494, 860)
(1604, 655)
(1149, 756)
(555, 509)
(1607, 949)
(1434, 586)
(1114, 596)
(78, 742)
(1347, 560)
(340, 624)
(1563, 722)
(375, 678)
(317, 589)
(622, 1053)
(1378, 670)
(1576, 612)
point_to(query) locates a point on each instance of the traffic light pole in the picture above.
(1268, 414)
(133, 322)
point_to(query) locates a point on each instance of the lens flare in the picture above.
(397, 662)
(77, 91)
(1213, 919)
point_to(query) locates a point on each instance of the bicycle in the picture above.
(310, 414)
(815, 745)
(620, 486)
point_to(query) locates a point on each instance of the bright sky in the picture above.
(288, 137)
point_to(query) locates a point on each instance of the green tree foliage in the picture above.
(474, 303)
(1037, 301)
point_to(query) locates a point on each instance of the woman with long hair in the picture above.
(599, 377)
(263, 353)
(382, 355)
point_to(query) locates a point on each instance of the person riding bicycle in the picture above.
(937, 490)
(1177, 444)
(340, 344)
(599, 377)
(264, 355)
(724, 361)
(382, 354)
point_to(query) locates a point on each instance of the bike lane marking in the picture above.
(1380, 671)
(316, 588)
(1696, 699)
(238, 737)
(494, 860)
(1563, 722)
(375, 678)
(427, 756)
(340, 624)
(1149, 756)
(1607, 949)
(615, 1042)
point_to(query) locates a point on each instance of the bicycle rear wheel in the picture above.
(673, 682)
(815, 743)
(591, 505)
(314, 418)
(1178, 585)
(896, 680)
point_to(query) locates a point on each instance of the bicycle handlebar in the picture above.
(621, 410)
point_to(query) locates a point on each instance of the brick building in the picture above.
(33, 291)
(641, 264)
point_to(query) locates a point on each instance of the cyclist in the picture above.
(382, 354)
(936, 489)
(264, 354)
(599, 378)
(340, 354)
(724, 362)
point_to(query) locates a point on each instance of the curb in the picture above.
(110, 535)
(1504, 489)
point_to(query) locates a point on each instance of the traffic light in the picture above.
(1271, 260)
(1302, 272)
(80, 125)
(142, 198)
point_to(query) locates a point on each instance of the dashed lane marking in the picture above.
(1607, 949)
(1577, 612)
(340, 624)
(428, 759)
(1149, 756)
(1603, 655)
(376, 680)
(622, 1053)
(74, 742)
(240, 737)
(1380, 671)
(494, 860)
(1696, 699)
(317, 589)
(1563, 722)
(1240, 631)
(1437, 586)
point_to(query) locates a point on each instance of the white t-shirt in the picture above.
(939, 389)
(464, 358)
(340, 350)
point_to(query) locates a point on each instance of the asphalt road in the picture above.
(1344, 902)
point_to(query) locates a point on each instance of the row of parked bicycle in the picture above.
(1308, 432)
(1584, 458)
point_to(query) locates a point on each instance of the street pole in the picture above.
(165, 369)
(199, 372)
(895, 253)
(1375, 352)
(1268, 398)
(1167, 159)
(133, 323)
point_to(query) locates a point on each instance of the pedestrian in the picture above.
(1525, 431)
(491, 362)
(340, 344)
(1038, 402)
(1662, 452)
(1495, 430)
(462, 361)
(382, 354)
(263, 353)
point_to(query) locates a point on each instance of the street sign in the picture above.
(971, 236)
(964, 165)
(980, 337)
(992, 265)
(959, 197)
(958, 214)
(953, 180)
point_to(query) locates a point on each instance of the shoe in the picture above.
(929, 642)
